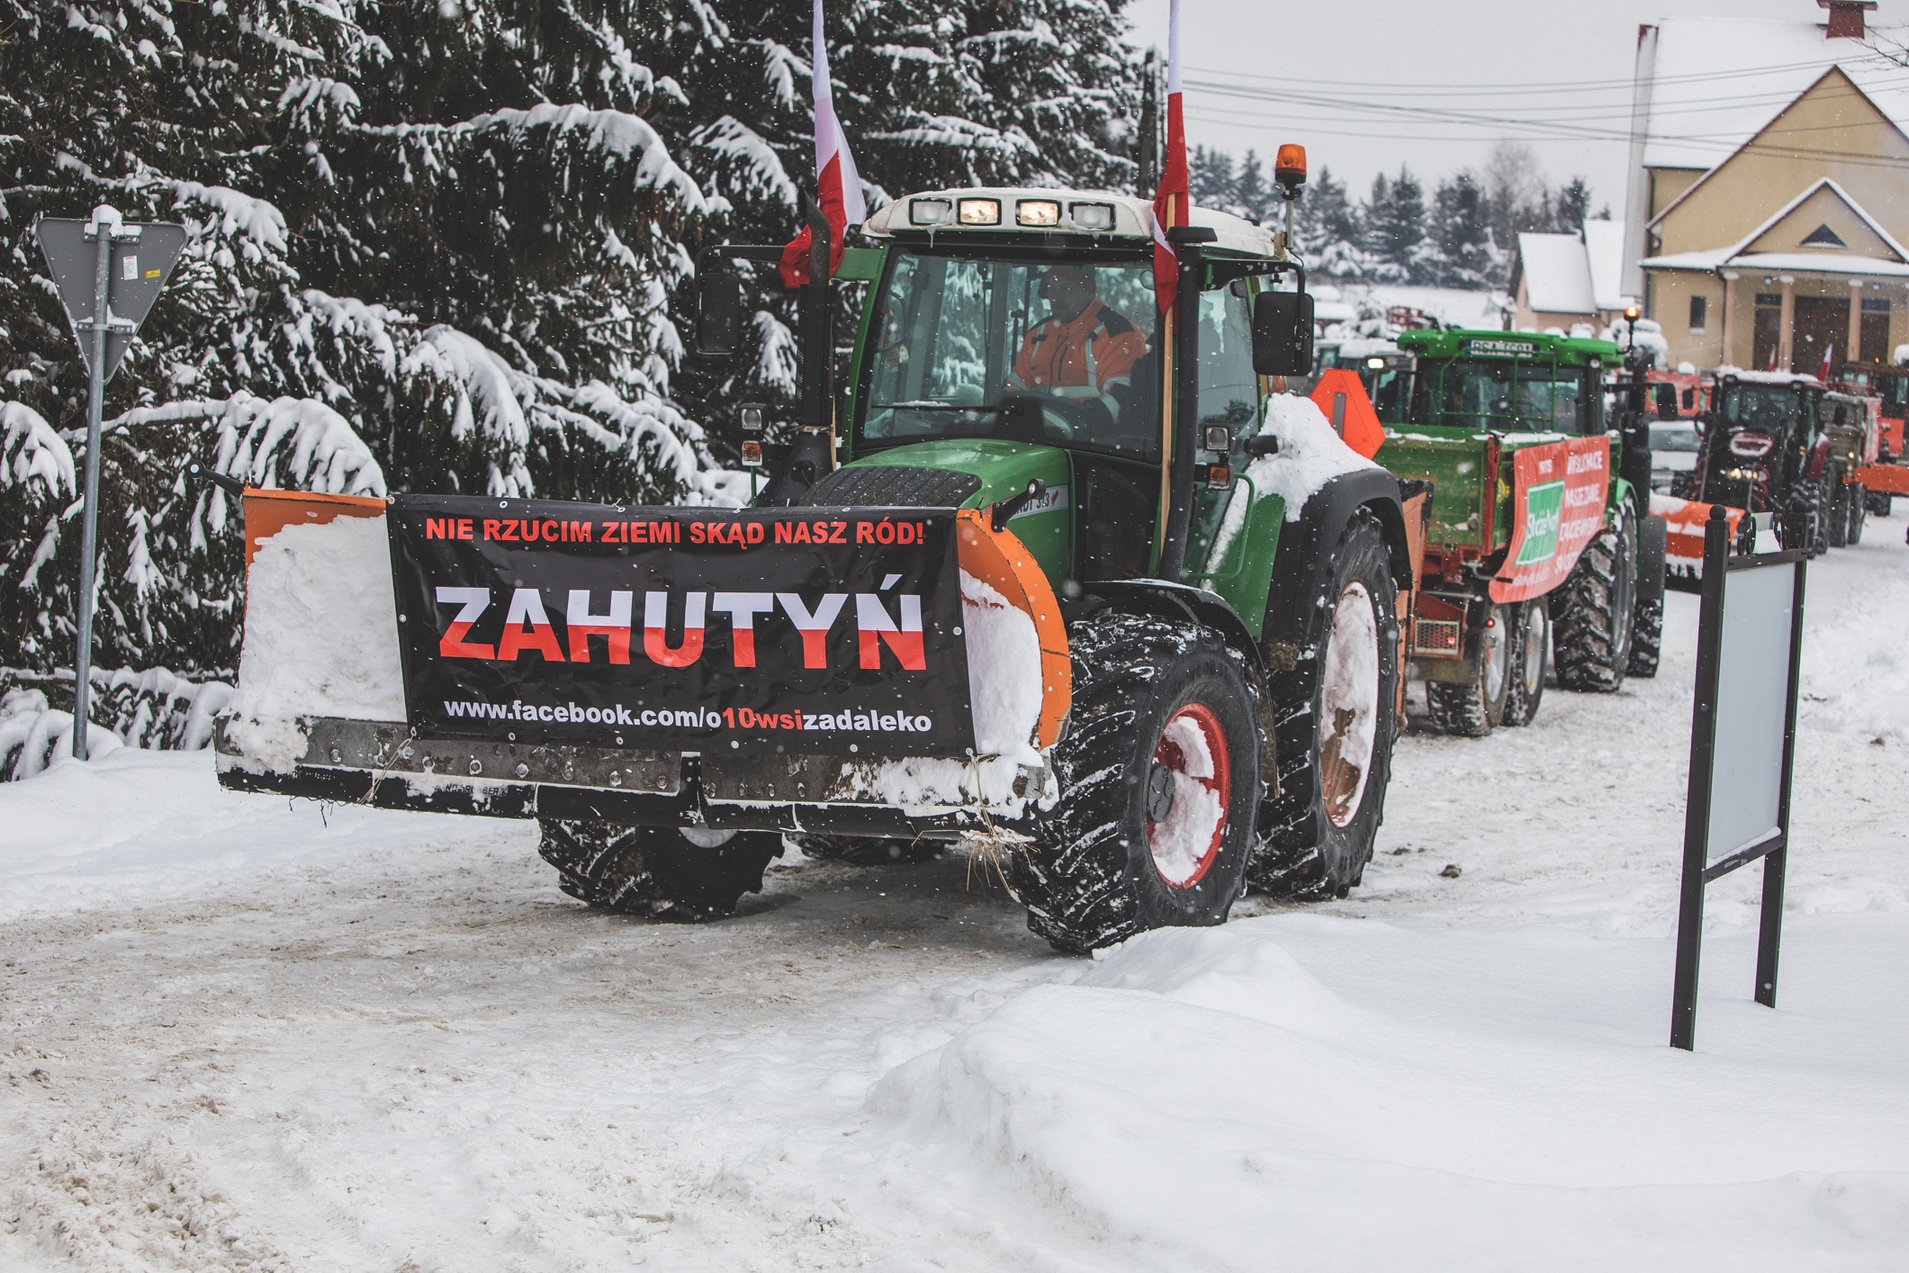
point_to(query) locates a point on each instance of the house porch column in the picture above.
(1729, 358)
(1854, 347)
(1786, 324)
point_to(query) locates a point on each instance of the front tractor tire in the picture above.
(1530, 660)
(1475, 706)
(679, 873)
(1335, 711)
(1592, 621)
(1159, 782)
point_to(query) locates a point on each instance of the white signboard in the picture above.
(1753, 684)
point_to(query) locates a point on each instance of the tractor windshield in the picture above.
(1507, 395)
(1758, 408)
(1028, 350)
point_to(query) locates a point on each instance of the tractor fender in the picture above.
(1303, 566)
(1180, 601)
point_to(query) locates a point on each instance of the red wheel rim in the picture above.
(1192, 750)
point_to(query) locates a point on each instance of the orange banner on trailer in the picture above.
(1557, 507)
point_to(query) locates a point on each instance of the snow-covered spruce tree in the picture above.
(1460, 236)
(1210, 177)
(432, 247)
(1011, 92)
(1395, 228)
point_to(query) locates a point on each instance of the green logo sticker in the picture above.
(1544, 510)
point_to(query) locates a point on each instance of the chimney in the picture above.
(1845, 18)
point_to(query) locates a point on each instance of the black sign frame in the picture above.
(1773, 850)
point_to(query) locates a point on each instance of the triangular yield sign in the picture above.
(139, 265)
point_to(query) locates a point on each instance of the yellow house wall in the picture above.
(1824, 208)
(1791, 153)
(1671, 291)
(1670, 302)
(1667, 183)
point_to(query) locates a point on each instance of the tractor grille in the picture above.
(890, 486)
(1435, 637)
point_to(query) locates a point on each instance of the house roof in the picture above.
(1717, 82)
(1739, 254)
(1557, 274)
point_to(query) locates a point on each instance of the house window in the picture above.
(1698, 305)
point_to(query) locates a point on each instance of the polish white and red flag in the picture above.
(838, 187)
(1170, 198)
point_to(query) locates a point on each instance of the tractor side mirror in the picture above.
(719, 306)
(1666, 401)
(1282, 333)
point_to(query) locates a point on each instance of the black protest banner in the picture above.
(759, 629)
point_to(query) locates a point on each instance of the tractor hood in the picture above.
(966, 473)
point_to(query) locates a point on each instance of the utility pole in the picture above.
(1149, 142)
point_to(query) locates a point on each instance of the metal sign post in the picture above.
(105, 306)
(1742, 749)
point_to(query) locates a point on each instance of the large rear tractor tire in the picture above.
(1159, 782)
(1530, 660)
(1334, 712)
(1858, 514)
(1473, 708)
(1836, 531)
(1592, 621)
(858, 851)
(680, 873)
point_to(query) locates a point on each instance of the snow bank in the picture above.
(1199, 1100)
(134, 826)
(1855, 664)
(321, 637)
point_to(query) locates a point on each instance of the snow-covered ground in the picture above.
(246, 1034)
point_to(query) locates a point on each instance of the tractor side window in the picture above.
(1229, 387)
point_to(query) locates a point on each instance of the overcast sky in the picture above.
(1566, 63)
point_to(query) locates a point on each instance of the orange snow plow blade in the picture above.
(1883, 479)
(269, 512)
(1000, 560)
(1684, 534)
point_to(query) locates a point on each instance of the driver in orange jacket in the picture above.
(1082, 349)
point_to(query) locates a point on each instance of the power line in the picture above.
(1538, 87)
(1581, 128)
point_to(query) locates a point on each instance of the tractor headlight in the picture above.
(979, 211)
(1037, 212)
(930, 211)
(1092, 216)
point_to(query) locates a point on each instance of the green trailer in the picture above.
(1540, 554)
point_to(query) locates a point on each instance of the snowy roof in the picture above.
(1604, 249)
(1739, 255)
(1133, 217)
(1717, 82)
(1557, 273)
(1750, 377)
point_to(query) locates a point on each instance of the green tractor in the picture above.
(1542, 556)
(1215, 582)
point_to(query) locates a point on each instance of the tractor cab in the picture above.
(1758, 435)
(1013, 338)
(1502, 382)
